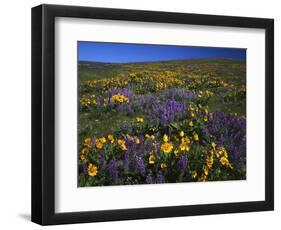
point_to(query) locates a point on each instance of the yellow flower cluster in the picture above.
(185, 141)
(110, 138)
(119, 98)
(87, 144)
(100, 142)
(87, 101)
(139, 119)
(151, 159)
(222, 154)
(92, 170)
(196, 137)
(166, 147)
(122, 144)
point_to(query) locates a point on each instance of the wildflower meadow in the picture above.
(161, 121)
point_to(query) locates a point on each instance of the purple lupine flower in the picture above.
(139, 164)
(166, 112)
(124, 91)
(229, 131)
(175, 94)
(148, 146)
(159, 178)
(113, 169)
(148, 179)
(182, 163)
(126, 161)
(85, 169)
(102, 162)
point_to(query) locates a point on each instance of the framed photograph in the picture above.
(142, 114)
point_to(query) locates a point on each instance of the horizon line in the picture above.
(165, 60)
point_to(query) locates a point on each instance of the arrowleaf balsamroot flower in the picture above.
(137, 140)
(88, 142)
(196, 137)
(184, 144)
(122, 144)
(163, 165)
(181, 133)
(92, 170)
(165, 138)
(139, 119)
(99, 144)
(119, 98)
(151, 159)
(110, 138)
(194, 174)
(167, 147)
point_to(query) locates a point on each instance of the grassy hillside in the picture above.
(193, 109)
(220, 67)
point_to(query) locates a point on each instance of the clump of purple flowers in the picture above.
(113, 169)
(182, 163)
(168, 111)
(229, 130)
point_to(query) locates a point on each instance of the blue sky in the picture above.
(124, 53)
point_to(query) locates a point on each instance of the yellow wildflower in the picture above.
(88, 142)
(151, 159)
(137, 140)
(92, 170)
(167, 147)
(177, 152)
(119, 98)
(123, 147)
(84, 151)
(147, 136)
(213, 144)
(186, 139)
(139, 119)
(82, 157)
(165, 138)
(205, 118)
(184, 146)
(122, 144)
(181, 133)
(110, 138)
(194, 174)
(190, 123)
(224, 161)
(210, 161)
(206, 170)
(163, 165)
(102, 140)
(196, 137)
(99, 144)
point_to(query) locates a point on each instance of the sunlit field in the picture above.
(161, 122)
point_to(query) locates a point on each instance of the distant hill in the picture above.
(89, 70)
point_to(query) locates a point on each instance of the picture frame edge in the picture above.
(43, 123)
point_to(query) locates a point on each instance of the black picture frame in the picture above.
(43, 114)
